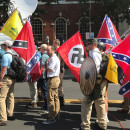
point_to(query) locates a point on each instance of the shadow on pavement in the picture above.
(70, 117)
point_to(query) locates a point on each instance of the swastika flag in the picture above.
(73, 53)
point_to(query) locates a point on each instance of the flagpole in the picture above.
(124, 34)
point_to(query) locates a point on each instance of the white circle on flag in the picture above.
(76, 56)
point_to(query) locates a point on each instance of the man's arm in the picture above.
(2, 74)
(50, 65)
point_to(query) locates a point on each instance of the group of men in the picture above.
(53, 69)
(49, 81)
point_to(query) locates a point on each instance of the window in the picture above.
(37, 30)
(84, 27)
(61, 29)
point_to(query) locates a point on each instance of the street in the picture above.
(70, 114)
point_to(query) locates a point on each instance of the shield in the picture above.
(88, 75)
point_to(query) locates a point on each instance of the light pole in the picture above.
(90, 16)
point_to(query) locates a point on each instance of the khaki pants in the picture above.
(33, 91)
(53, 99)
(6, 98)
(86, 110)
(126, 103)
(60, 88)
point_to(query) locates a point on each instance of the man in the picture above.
(43, 78)
(56, 44)
(53, 70)
(2, 52)
(33, 86)
(125, 108)
(6, 86)
(86, 107)
(102, 48)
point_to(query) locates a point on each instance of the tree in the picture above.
(3, 11)
(117, 10)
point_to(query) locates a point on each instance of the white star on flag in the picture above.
(113, 55)
(112, 35)
(125, 58)
(29, 65)
(124, 89)
(20, 44)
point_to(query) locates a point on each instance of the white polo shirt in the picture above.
(54, 65)
(96, 55)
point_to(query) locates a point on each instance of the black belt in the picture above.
(52, 77)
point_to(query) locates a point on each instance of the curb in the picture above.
(68, 100)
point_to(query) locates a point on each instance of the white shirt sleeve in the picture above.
(52, 64)
(95, 54)
(97, 59)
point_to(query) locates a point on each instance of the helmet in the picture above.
(101, 46)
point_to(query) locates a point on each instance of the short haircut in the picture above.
(44, 46)
(52, 47)
(57, 41)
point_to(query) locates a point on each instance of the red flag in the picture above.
(125, 88)
(25, 47)
(108, 33)
(121, 54)
(73, 53)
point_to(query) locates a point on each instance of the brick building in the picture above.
(63, 20)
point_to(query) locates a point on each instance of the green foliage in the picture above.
(3, 11)
(116, 9)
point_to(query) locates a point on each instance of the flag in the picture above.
(13, 26)
(25, 47)
(108, 33)
(121, 54)
(125, 88)
(73, 53)
(111, 73)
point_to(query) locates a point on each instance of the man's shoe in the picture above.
(43, 112)
(99, 128)
(31, 105)
(3, 123)
(49, 121)
(123, 111)
(57, 118)
(11, 118)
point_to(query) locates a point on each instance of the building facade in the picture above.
(63, 20)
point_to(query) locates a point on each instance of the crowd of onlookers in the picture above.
(49, 86)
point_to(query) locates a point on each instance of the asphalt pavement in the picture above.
(70, 115)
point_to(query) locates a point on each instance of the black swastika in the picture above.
(79, 56)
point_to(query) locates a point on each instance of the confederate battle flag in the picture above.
(73, 53)
(121, 54)
(108, 33)
(25, 47)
